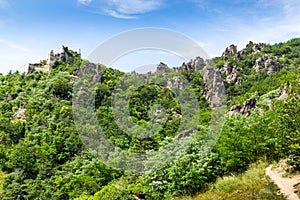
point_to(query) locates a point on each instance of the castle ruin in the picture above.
(63, 55)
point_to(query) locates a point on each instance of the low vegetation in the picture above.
(253, 184)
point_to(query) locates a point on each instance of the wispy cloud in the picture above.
(286, 25)
(135, 6)
(124, 9)
(84, 2)
(115, 14)
(4, 4)
(14, 45)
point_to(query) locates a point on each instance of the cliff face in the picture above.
(63, 55)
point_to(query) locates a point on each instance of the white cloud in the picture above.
(4, 4)
(84, 2)
(13, 45)
(135, 6)
(124, 9)
(115, 14)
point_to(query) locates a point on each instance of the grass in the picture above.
(253, 184)
(2, 176)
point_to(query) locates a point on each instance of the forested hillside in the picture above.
(42, 155)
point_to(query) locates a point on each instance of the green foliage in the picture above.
(43, 156)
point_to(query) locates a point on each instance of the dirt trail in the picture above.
(285, 184)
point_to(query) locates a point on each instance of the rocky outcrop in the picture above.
(162, 68)
(227, 68)
(229, 51)
(272, 66)
(197, 64)
(215, 87)
(245, 109)
(256, 48)
(91, 69)
(259, 63)
(231, 73)
(235, 109)
(63, 55)
(175, 83)
(233, 77)
(239, 55)
(193, 65)
(20, 114)
(268, 64)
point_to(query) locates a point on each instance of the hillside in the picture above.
(43, 156)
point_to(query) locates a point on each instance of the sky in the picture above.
(29, 29)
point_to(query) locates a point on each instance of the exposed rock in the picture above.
(20, 114)
(197, 64)
(260, 62)
(238, 82)
(248, 105)
(245, 109)
(235, 109)
(272, 66)
(283, 91)
(193, 65)
(92, 69)
(232, 77)
(250, 44)
(208, 76)
(239, 55)
(175, 113)
(232, 49)
(227, 68)
(264, 62)
(175, 83)
(258, 47)
(98, 75)
(216, 87)
(162, 68)
(231, 72)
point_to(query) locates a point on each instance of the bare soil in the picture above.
(287, 183)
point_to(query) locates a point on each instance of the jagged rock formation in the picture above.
(91, 69)
(63, 55)
(239, 55)
(264, 62)
(162, 68)
(227, 68)
(231, 73)
(245, 109)
(216, 87)
(193, 65)
(229, 51)
(258, 47)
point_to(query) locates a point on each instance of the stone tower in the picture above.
(51, 58)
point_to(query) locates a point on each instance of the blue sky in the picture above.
(29, 29)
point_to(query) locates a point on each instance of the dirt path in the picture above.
(285, 184)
